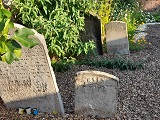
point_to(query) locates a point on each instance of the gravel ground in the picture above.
(138, 94)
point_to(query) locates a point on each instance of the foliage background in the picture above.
(60, 21)
(10, 47)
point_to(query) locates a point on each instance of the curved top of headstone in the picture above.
(117, 22)
(117, 38)
(99, 73)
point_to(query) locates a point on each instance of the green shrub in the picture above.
(119, 62)
(60, 21)
(138, 45)
(63, 65)
(156, 15)
(103, 10)
(10, 48)
(130, 12)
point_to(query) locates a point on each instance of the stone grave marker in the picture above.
(96, 93)
(30, 82)
(117, 38)
(93, 32)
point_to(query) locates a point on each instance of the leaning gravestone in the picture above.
(30, 82)
(117, 38)
(96, 93)
(93, 32)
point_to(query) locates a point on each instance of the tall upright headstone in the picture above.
(93, 32)
(96, 93)
(117, 38)
(30, 82)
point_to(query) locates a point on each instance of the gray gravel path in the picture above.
(139, 91)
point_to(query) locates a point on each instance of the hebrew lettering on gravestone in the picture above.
(117, 38)
(96, 93)
(30, 82)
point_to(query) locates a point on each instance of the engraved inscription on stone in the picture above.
(30, 82)
(117, 38)
(95, 93)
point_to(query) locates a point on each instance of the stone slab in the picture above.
(96, 94)
(117, 38)
(30, 82)
(93, 32)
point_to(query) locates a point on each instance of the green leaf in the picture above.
(18, 53)
(15, 45)
(12, 51)
(48, 1)
(0, 14)
(3, 58)
(2, 24)
(6, 28)
(9, 56)
(79, 51)
(7, 13)
(22, 35)
(11, 24)
(1, 49)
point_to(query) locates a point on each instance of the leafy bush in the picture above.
(130, 12)
(138, 45)
(60, 21)
(118, 62)
(156, 15)
(103, 10)
(10, 48)
(63, 65)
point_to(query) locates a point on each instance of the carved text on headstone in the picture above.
(30, 82)
(96, 93)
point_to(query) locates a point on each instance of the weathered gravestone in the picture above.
(96, 93)
(93, 32)
(30, 82)
(117, 38)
